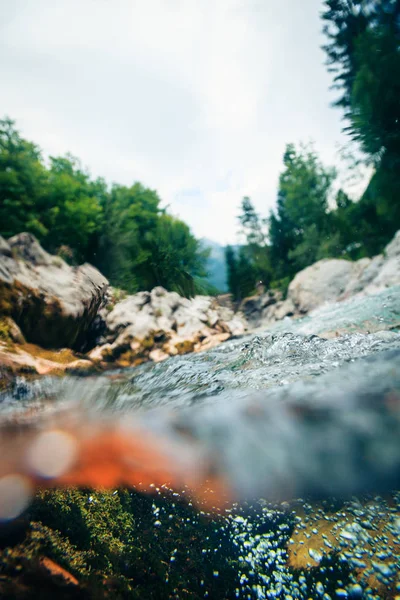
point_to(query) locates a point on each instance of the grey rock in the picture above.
(125, 312)
(53, 303)
(177, 324)
(324, 281)
(333, 280)
(28, 249)
(5, 249)
(393, 248)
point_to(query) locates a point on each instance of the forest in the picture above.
(310, 221)
(137, 244)
(121, 230)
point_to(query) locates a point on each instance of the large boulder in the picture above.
(324, 281)
(53, 303)
(387, 273)
(332, 280)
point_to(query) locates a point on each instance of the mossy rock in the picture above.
(41, 320)
(8, 375)
(5, 331)
(110, 542)
(63, 356)
(185, 347)
(148, 342)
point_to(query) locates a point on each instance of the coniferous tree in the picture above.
(232, 271)
(300, 221)
(363, 53)
(255, 250)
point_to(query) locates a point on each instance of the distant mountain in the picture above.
(216, 266)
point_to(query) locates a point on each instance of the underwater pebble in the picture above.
(315, 555)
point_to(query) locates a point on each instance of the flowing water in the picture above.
(306, 431)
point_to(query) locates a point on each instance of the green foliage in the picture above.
(242, 274)
(297, 234)
(300, 222)
(203, 287)
(306, 227)
(121, 230)
(110, 543)
(251, 225)
(23, 178)
(74, 214)
(175, 256)
(363, 53)
(142, 246)
(251, 263)
(247, 273)
(255, 252)
(232, 271)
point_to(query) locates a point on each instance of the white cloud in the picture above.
(195, 98)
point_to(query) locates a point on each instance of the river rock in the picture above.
(285, 308)
(5, 249)
(53, 303)
(332, 280)
(368, 271)
(261, 309)
(124, 312)
(211, 342)
(324, 281)
(157, 355)
(164, 303)
(327, 281)
(28, 359)
(236, 325)
(10, 332)
(386, 270)
(157, 324)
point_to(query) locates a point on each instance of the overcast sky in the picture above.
(194, 98)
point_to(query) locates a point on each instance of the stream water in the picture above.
(306, 430)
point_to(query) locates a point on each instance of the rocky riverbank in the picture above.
(276, 416)
(223, 424)
(55, 318)
(325, 282)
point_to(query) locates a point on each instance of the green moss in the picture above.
(109, 542)
(90, 540)
(148, 343)
(63, 357)
(57, 261)
(116, 295)
(185, 347)
(5, 334)
(282, 285)
(8, 298)
(126, 358)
